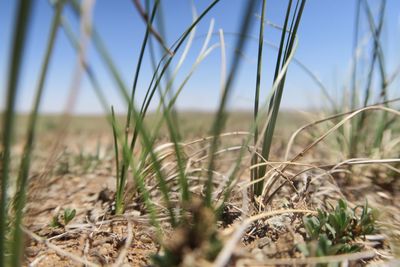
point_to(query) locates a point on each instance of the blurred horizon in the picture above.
(325, 47)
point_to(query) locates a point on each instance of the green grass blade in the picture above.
(23, 174)
(265, 148)
(126, 161)
(18, 47)
(263, 110)
(139, 64)
(354, 67)
(254, 172)
(119, 205)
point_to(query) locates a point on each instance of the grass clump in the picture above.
(286, 47)
(331, 233)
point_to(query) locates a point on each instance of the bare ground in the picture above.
(80, 175)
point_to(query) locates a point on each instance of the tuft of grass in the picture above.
(138, 117)
(285, 49)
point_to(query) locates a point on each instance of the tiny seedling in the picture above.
(331, 233)
(62, 221)
(55, 222)
(69, 214)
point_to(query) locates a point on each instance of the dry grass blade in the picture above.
(294, 135)
(267, 196)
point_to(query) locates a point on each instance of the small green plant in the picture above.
(55, 222)
(61, 221)
(69, 214)
(334, 232)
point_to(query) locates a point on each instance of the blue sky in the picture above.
(325, 47)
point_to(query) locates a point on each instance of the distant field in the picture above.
(190, 123)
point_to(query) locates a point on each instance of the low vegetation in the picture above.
(335, 232)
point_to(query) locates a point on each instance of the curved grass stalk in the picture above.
(294, 135)
(267, 196)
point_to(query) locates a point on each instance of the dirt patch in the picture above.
(94, 235)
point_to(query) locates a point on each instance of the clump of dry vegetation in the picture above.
(147, 190)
